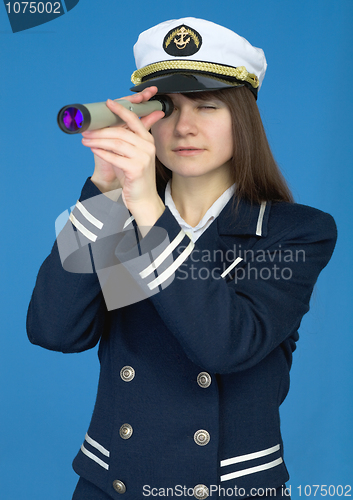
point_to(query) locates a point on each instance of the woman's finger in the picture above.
(116, 132)
(131, 119)
(144, 95)
(151, 119)
(120, 148)
(122, 163)
(114, 137)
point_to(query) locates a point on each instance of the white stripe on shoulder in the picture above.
(250, 456)
(91, 236)
(235, 263)
(172, 268)
(251, 470)
(88, 215)
(260, 219)
(94, 458)
(161, 258)
(96, 445)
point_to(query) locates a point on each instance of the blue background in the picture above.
(86, 56)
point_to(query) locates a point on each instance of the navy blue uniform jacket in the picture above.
(193, 376)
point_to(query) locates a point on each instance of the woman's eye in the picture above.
(208, 107)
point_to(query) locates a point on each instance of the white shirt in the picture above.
(195, 232)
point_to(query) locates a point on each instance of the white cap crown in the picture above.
(193, 44)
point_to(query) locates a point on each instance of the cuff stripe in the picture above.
(252, 470)
(96, 445)
(89, 216)
(250, 456)
(82, 229)
(172, 268)
(161, 258)
(94, 458)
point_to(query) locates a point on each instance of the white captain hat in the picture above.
(191, 55)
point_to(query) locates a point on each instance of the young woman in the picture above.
(192, 376)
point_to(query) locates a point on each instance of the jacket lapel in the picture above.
(223, 241)
(249, 219)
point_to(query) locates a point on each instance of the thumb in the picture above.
(151, 119)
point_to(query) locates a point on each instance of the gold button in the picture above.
(201, 491)
(125, 431)
(202, 437)
(204, 379)
(119, 486)
(127, 373)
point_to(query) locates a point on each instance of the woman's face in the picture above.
(196, 139)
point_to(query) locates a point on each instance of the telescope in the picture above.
(76, 118)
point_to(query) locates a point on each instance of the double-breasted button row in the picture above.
(201, 437)
(201, 491)
(119, 486)
(126, 431)
(127, 373)
(204, 379)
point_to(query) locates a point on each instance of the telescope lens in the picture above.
(72, 119)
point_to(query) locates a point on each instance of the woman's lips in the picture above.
(187, 151)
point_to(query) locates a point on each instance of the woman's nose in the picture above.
(185, 122)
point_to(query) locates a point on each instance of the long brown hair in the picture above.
(254, 170)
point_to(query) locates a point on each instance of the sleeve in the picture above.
(67, 311)
(229, 322)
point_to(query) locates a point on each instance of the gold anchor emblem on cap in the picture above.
(181, 42)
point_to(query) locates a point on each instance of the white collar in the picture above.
(195, 232)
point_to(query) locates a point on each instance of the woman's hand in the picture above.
(125, 157)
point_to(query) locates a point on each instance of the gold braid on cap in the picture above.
(240, 73)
